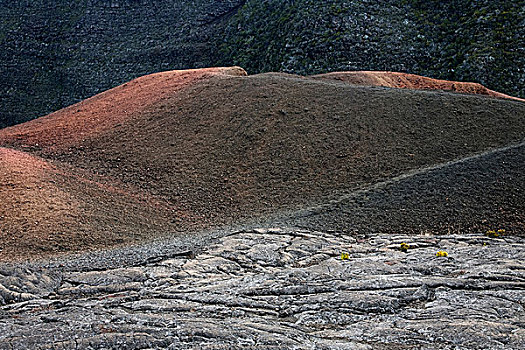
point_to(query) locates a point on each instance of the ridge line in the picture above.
(312, 210)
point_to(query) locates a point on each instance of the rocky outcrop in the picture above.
(280, 288)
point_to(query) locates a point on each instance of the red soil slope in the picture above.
(31, 198)
(179, 151)
(81, 121)
(409, 81)
(46, 209)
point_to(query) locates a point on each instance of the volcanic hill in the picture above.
(180, 151)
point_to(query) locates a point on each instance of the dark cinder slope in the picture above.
(227, 148)
(469, 196)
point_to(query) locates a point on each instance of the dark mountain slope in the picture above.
(476, 195)
(480, 41)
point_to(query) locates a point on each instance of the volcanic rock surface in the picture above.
(280, 288)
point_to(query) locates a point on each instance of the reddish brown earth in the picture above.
(410, 81)
(79, 122)
(48, 209)
(180, 151)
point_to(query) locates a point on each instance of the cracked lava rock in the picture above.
(280, 288)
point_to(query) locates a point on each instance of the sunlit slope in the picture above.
(46, 209)
(85, 120)
(410, 81)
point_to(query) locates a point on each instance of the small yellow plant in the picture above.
(442, 253)
(345, 256)
(404, 247)
(495, 234)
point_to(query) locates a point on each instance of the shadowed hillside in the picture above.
(214, 147)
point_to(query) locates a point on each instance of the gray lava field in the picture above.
(286, 283)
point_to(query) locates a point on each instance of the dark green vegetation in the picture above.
(55, 52)
(480, 41)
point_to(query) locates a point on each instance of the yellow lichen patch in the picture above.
(404, 247)
(442, 253)
(495, 234)
(345, 256)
